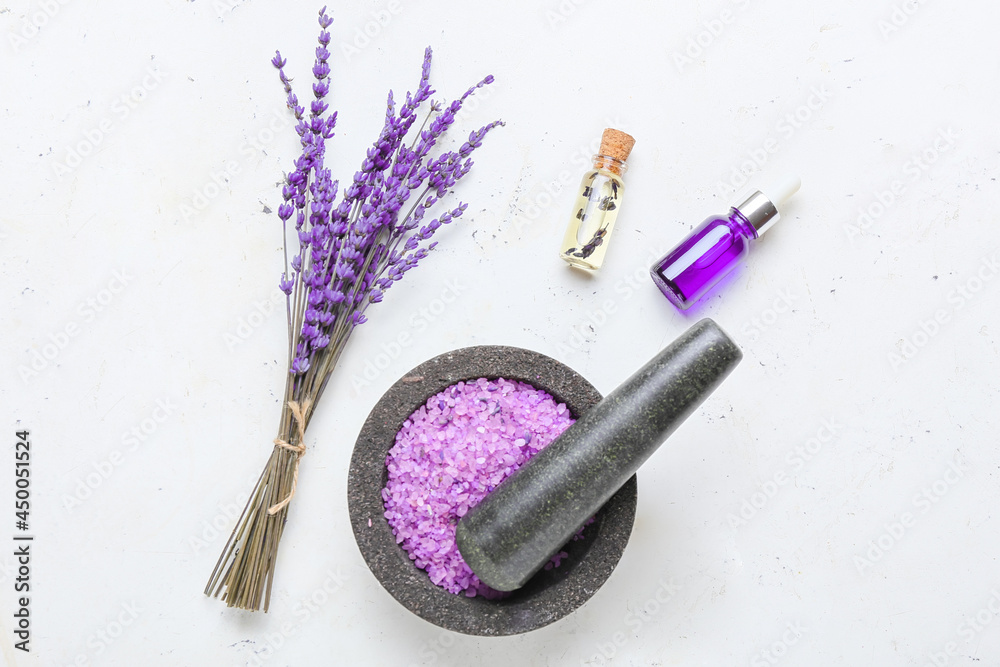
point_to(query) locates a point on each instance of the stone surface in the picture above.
(549, 595)
(525, 520)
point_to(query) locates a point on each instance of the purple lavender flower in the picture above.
(351, 252)
(353, 244)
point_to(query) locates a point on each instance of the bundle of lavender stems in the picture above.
(349, 254)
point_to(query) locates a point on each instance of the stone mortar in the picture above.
(550, 594)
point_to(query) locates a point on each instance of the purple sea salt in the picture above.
(449, 454)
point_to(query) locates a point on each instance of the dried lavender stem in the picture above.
(347, 259)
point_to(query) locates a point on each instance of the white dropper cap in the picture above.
(763, 206)
(780, 191)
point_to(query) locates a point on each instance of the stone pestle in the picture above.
(516, 529)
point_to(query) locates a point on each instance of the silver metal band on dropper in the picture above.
(760, 211)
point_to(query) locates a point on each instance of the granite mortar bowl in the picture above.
(550, 594)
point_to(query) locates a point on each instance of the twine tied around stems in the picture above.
(299, 413)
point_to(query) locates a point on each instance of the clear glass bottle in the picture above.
(717, 245)
(597, 203)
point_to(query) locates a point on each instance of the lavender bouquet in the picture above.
(349, 254)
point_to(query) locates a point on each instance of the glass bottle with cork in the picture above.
(597, 203)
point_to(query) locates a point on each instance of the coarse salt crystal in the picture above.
(433, 482)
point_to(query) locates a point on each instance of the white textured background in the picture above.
(751, 537)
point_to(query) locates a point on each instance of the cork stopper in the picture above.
(616, 144)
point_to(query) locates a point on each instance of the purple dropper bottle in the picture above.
(716, 246)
